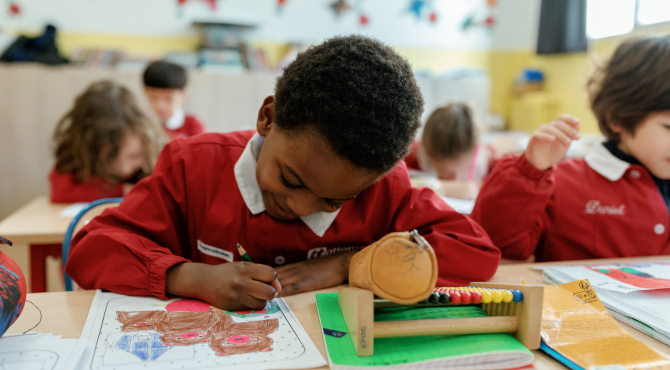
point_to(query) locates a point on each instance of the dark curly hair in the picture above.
(358, 94)
(632, 84)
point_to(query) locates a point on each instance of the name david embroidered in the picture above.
(594, 207)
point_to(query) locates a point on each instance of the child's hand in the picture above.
(314, 274)
(230, 286)
(550, 143)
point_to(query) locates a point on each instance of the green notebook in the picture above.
(458, 352)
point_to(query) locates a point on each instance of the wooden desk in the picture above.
(35, 225)
(65, 313)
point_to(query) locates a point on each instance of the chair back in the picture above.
(84, 216)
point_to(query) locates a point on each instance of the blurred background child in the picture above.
(450, 150)
(102, 143)
(165, 88)
(612, 203)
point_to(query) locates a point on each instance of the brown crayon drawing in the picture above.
(183, 328)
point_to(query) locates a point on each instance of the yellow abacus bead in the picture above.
(507, 296)
(496, 296)
(486, 296)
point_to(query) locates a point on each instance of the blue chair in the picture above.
(107, 202)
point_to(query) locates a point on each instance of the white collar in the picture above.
(605, 163)
(245, 175)
(176, 121)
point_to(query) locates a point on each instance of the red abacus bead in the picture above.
(465, 297)
(455, 297)
(476, 297)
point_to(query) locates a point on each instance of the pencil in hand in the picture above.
(243, 253)
(245, 257)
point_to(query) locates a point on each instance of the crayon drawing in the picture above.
(147, 333)
(641, 275)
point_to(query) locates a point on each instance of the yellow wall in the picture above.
(134, 45)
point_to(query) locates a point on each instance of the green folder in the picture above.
(477, 351)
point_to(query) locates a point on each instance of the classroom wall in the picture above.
(155, 27)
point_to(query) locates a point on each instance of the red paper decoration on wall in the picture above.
(14, 9)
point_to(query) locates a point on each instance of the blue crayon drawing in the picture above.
(148, 347)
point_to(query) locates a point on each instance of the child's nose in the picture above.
(302, 205)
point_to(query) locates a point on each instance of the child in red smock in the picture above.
(320, 178)
(102, 143)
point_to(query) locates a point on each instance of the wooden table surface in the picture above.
(65, 313)
(37, 222)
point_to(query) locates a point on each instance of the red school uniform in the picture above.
(65, 188)
(183, 125)
(203, 199)
(596, 207)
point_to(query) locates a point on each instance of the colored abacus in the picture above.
(511, 308)
(495, 302)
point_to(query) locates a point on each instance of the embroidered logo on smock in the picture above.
(215, 252)
(594, 207)
(325, 252)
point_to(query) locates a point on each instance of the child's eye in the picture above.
(288, 184)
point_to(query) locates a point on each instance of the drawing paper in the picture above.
(147, 333)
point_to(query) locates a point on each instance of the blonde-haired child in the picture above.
(450, 150)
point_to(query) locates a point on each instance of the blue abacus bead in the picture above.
(434, 298)
(518, 296)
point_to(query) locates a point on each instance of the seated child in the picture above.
(449, 150)
(318, 180)
(165, 88)
(615, 202)
(104, 141)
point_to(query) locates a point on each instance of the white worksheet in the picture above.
(124, 332)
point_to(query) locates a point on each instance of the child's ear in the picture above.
(266, 116)
(613, 125)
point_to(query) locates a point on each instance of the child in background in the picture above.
(104, 141)
(613, 203)
(322, 177)
(449, 149)
(165, 88)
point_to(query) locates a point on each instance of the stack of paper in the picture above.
(637, 294)
(40, 351)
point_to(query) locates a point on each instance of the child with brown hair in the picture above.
(450, 150)
(615, 202)
(104, 141)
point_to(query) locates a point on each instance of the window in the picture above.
(652, 11)
(605, 18)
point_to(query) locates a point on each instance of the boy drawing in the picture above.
(322, 173)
